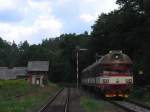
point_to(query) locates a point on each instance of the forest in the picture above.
(126, 28)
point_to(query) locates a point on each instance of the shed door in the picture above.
(38, 81)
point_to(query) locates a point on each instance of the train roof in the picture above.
(113, 57)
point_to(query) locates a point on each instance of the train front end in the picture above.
(116, 78)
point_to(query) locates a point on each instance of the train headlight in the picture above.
(105, 81)
(129, 81)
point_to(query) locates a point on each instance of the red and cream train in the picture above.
(111, 75)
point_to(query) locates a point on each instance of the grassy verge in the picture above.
(92, 105)
(20, 96)
(141, 95)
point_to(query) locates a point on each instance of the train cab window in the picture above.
(118, 69)
(108, 72)
(127, 71)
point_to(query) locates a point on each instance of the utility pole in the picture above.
(77, 61)
(77, 69)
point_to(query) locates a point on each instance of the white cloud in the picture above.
(48, 18)
(97, 6)
(62, 2)
(91, 9)
(45, 22)
(39, 22)
(87, 18)
(8, 4)
(90, 0)
(42, 27)
(43, 6)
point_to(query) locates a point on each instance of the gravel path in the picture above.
(76, 96)
(74, 105)
(132, 106)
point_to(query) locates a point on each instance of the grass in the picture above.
(97, 105)
(20, 96)
(91, 105)
(141, 95)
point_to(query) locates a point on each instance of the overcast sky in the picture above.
(34, 20)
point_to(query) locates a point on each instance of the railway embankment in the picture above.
(20, 96)
(140, 95)
(94, 103)
(83, 101)
(76, 100)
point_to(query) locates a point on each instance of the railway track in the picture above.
(59, 103)
(131, 106)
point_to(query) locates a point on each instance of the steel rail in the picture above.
(139, 104)
(123, 107)
(67, 101)
(130, 107)
(44, 107)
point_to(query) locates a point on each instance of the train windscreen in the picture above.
(118, 70)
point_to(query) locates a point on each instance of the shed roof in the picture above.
(38, 66)
(6, 73)
(20, 71)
